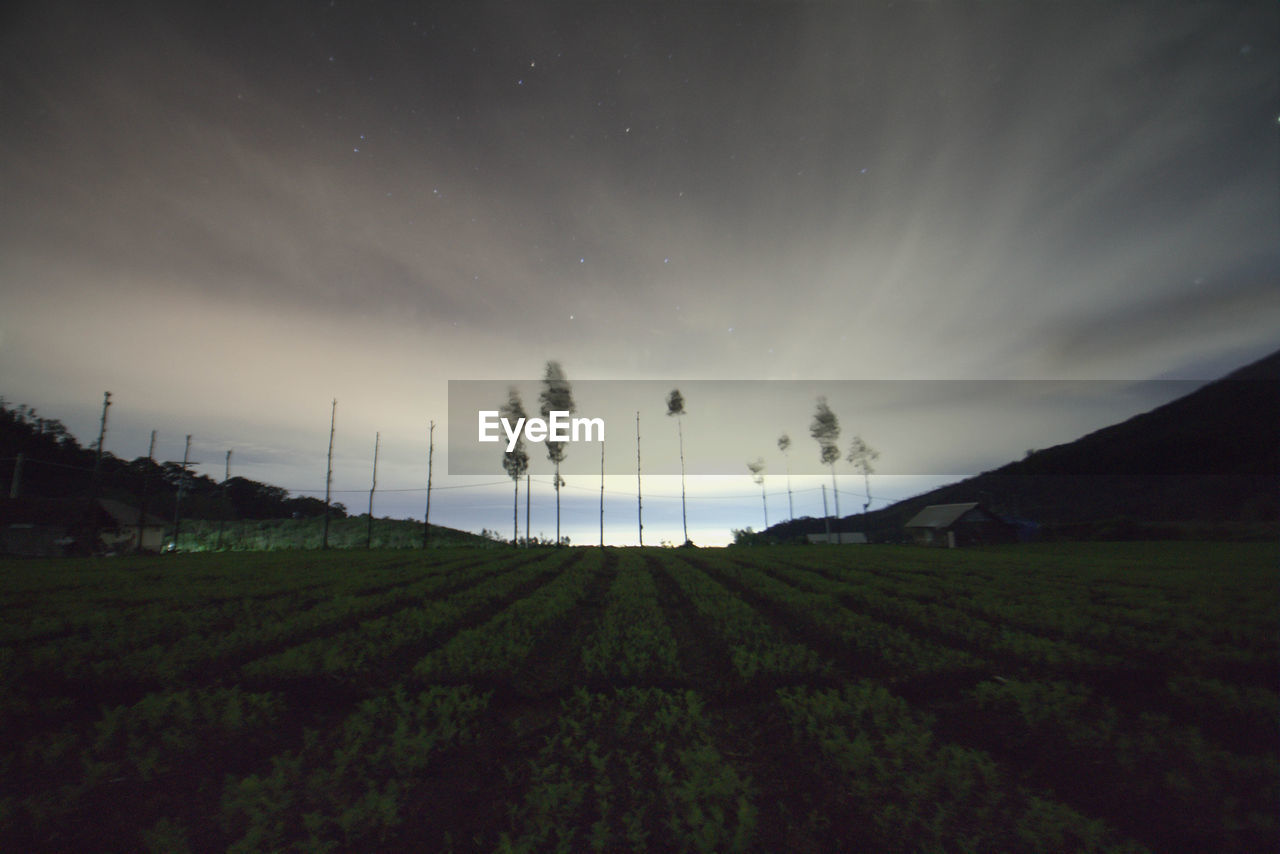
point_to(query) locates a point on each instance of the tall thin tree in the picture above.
(862, 456)
(557, 396)
(825, 429)
(784, 443)
(757, 476)
(516, 461)
(675, 406)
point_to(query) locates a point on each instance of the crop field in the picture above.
(1052, 697)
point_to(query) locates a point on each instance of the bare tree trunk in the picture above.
(836, 493)
(601, 493)
(684, 515)
(639, 492)
(826, 517)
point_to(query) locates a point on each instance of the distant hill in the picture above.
(54, 475)
(1209, 458)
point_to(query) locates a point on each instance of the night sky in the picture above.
(230, 214)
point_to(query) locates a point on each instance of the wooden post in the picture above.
(377, 438)
(328, 476)
(426, 518)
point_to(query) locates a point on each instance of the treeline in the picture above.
(41, 457)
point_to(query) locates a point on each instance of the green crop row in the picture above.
(138, 761)
(631, 770)
(953, 627)
(350, 791)
(905, 792)
(874, 646)
(633, 639)
(498, 647)
(755, 648)
(356, 650)
(1168, 778)
(160, 644)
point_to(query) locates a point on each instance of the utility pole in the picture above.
(328, 476)
(222, 521)
(91, 533)
(146, 488)
(102, 433)
(639, 498)
(177, 502)
(377, 438)
(426, 518)
(527, 488)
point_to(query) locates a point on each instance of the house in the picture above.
(848, 539)
(119, 531)
(952, 525)
(54, 528)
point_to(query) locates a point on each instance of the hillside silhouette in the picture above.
(1210, 458)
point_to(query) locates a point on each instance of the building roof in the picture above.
(125, 514)
(941, 515)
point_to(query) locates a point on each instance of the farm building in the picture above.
(51, 528)
(952, 525)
